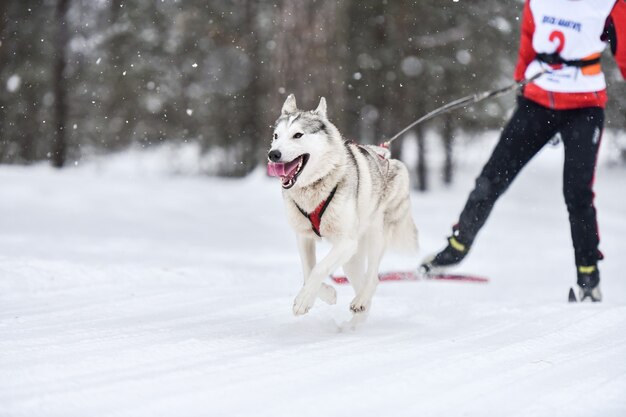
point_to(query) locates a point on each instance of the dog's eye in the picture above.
(275, 136)
(297, 135)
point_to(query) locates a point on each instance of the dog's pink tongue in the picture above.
(282, 169)
(276, 169)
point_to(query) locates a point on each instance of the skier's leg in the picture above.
(581, 135)
(528, 130)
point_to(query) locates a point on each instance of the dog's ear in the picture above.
(321, 108)
(290, 105)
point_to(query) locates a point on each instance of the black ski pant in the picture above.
(528, 130)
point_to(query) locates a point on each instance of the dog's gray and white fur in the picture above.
(369, 211)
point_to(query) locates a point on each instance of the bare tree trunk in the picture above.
(252, 131)
(27, 143)
(306, 58)
(4, 57)
(422, 164)
(448, 138)
(59, 144)
(117, 58)
(396, 148)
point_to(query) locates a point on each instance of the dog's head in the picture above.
(304, 145)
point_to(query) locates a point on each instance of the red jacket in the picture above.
(614, 33)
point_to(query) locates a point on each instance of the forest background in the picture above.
(84, 77)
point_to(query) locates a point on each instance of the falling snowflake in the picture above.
(13, 83)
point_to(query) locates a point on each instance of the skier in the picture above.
(564, 38)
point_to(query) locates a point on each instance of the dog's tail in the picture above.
(402, 234)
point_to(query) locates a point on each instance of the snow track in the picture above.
(160, 296)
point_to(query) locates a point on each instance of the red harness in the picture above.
(316, 216)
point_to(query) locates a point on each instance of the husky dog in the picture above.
(354, 196)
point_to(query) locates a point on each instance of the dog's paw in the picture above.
(360, 304)
(304, 301)
(328, 294)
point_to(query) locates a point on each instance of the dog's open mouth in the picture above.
(287, 171)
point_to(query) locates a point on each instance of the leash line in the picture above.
(464, 102)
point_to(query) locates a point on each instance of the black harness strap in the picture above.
(556, 59)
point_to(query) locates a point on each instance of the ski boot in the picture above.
(450, 256)
(589, 283)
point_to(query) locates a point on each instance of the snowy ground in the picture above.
(128, 294)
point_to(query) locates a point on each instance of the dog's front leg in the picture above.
(375, 245)
(340, 253)
(306, 247)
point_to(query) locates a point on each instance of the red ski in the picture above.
(415, 276)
